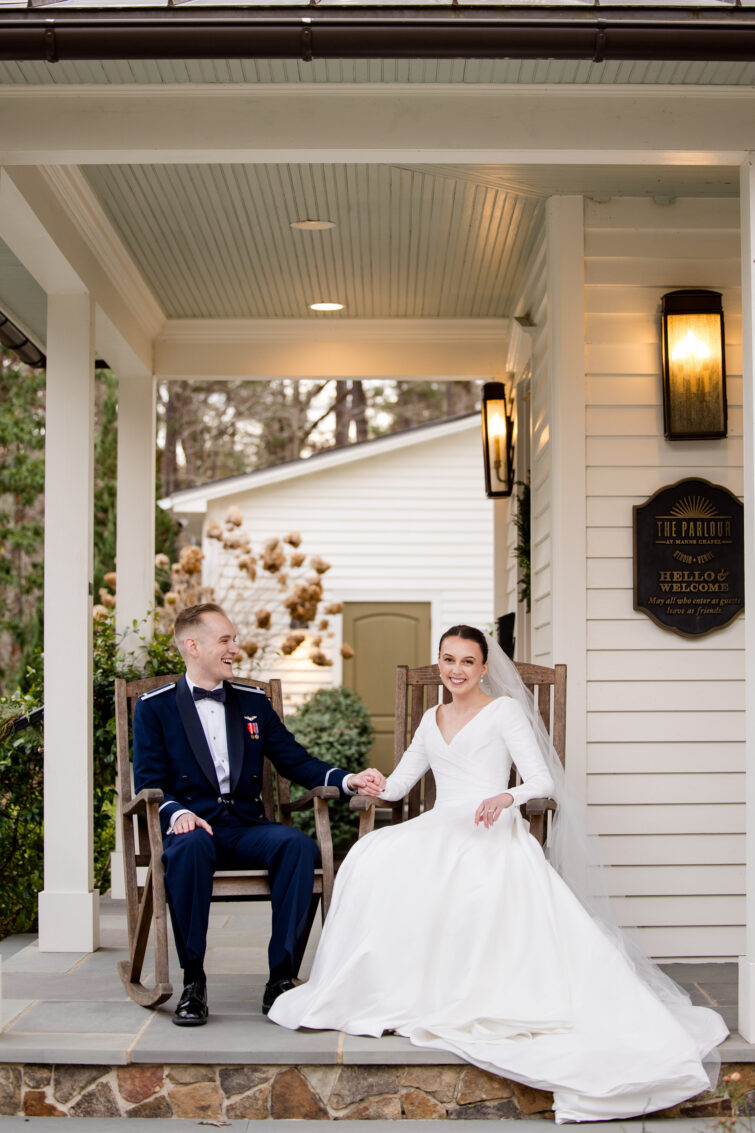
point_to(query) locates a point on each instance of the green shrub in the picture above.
(333, 725)
(22, 767)
(21, 850)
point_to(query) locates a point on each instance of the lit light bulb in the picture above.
(498, 432)
(691, 347)
(497, 425)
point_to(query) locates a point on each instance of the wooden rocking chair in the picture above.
(143, 846)
(419, 689)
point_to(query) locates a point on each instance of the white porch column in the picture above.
(135, 521)
(566, 316)
(747, 243)
(502, 561)
(135, 535)
(68, 905)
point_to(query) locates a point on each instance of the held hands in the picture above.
(186, 822)
(368, 782)
(489, 810)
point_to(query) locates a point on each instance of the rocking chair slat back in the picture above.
(142, 845)
(420, 689)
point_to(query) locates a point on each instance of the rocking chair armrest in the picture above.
(540, 806)
(318, 800)
(141, 802)
(308, 799)
(364, 802)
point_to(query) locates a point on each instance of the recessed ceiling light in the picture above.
(312, 225)
(326, 306)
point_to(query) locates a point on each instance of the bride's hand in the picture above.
(490, 809)
(368, 782)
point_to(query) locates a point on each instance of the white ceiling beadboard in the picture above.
(214, 241)
(412, 71)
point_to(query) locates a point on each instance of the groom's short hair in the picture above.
(190, 619)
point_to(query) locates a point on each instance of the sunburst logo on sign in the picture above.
(693, 507)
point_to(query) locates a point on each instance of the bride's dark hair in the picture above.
(467, 633)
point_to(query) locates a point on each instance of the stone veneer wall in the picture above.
(306, 1092)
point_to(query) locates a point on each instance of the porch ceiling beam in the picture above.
(480, 124)
(372, 32)
(54, 224)
(303, 348)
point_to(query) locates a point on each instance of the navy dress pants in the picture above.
(290, 857)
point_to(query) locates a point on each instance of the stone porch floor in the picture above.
(73, 1045)
(71, 1008)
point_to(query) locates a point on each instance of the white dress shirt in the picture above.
(212, 718)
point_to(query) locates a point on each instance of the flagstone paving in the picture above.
(71, 1007)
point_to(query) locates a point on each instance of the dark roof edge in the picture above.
(372, 33)
(13, 338)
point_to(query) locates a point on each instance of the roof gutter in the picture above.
(14, 339)
(597, 34)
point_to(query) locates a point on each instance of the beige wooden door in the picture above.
(383, 635)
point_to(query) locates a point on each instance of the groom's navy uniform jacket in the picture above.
(172, 754)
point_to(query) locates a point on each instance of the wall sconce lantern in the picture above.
(497, 441)
(694, 371)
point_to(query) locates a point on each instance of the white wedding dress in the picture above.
(464, 938)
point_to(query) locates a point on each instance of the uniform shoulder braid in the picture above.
(157, 691)
(247, 688)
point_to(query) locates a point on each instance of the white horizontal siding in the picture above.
(690, 818)
(672, 696)
(674, 849)
(409, 525)
(661, 727)
(665, 720)
(618, 665)
(680, 759)
(717, 909)
(638, 632)
(643, 480)
(685, 880)
(671, 788)
(698, 942)
(536, 307)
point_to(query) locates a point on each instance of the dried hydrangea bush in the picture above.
(274, 594)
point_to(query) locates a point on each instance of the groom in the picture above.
(201, 741)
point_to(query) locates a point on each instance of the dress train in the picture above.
(464, 939)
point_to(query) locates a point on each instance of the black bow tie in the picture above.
(213, 693)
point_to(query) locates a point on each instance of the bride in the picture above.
(454, 930)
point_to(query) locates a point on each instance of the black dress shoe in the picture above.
(273, 990)
(192, 1006)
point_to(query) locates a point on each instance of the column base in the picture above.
(69, 922)
(117, 883)
(747, 998)
(117, 879)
